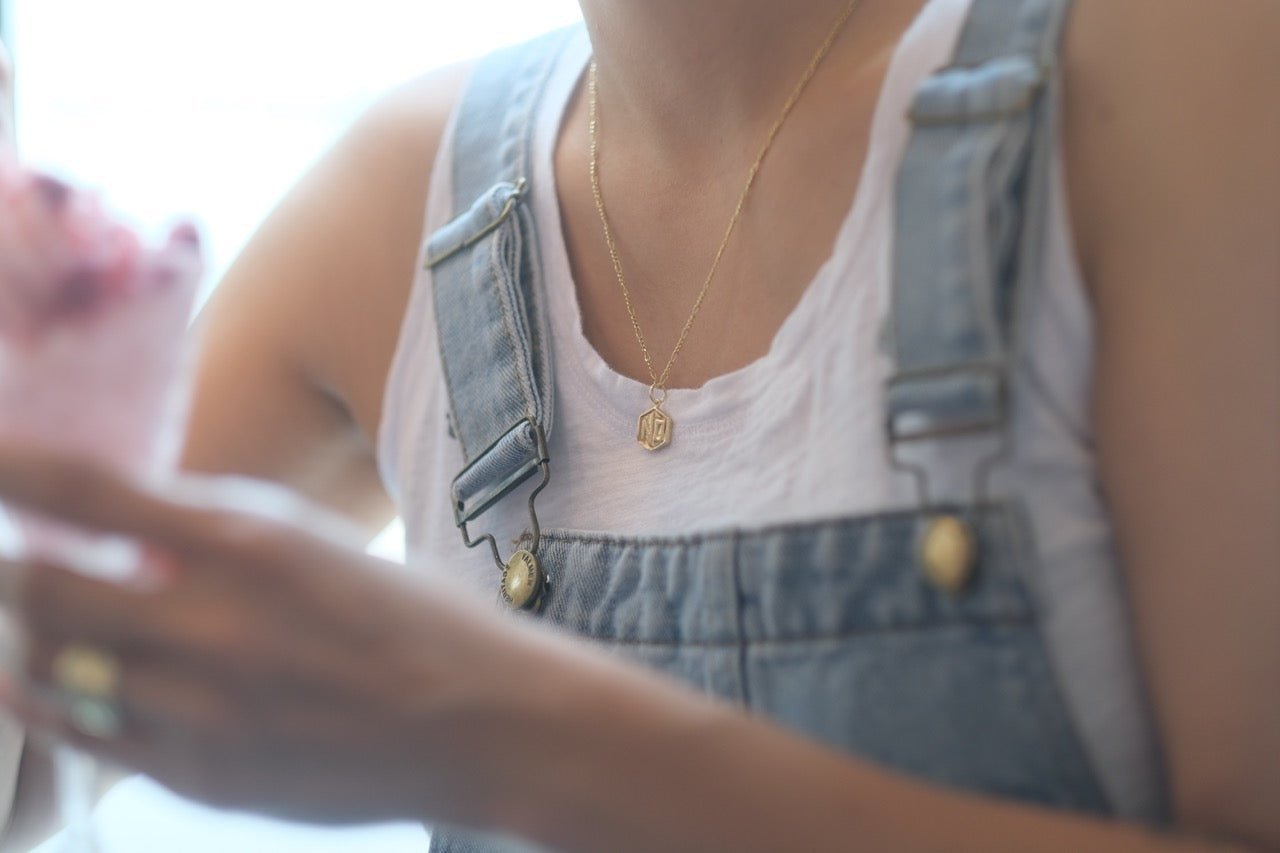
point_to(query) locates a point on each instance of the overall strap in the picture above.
(971, 200)
(487, 281)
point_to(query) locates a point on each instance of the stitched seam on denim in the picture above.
(530, 252)
(989, 510)
(1028, 286)
(1009, 622)
(744, 683)
(543, 405)
(521, 344)
(540, 366)
(983, 288)
(1026, 552)
(459, 434)
(458, 179)
(521, 123)
(498, 267)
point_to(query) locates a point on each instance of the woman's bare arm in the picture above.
(484, 721)
(297, 340)
(1173, 148)
(1174, 144)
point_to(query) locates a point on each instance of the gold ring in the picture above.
(88, 682)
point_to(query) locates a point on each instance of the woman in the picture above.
(1082, 666)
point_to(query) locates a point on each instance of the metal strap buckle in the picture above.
(524, 583)
(898, 433)
(900, 427)
(543, 464)
(518, 190)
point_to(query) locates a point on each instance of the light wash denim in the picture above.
(830, 627)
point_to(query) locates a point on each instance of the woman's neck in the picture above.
(681, 73)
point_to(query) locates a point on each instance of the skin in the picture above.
(29, 816)
(245, 676)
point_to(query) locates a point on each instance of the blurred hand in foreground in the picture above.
(274, 666)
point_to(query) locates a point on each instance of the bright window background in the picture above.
(213, 110)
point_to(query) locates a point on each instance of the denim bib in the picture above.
(909, 639)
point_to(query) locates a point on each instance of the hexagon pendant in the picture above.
(655, 428)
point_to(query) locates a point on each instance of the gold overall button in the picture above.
(949, 553)
(522, 581)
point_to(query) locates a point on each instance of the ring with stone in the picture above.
(87, 680)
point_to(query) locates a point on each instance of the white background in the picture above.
(212, 110)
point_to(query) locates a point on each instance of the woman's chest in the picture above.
(666, 253)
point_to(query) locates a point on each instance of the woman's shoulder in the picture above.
(305, 322)
(407, 123)
(1164, 100)
(1172, 149)
(380, 178)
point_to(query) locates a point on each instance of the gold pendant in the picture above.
(655, 428)
(523, 581)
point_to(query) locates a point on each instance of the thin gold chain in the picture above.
(658, 390)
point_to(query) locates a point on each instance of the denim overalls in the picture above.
(909, 639)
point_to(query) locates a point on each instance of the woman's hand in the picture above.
(272, 665)
(276, 668)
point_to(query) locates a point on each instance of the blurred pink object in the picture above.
(93, 329)
(6, 97)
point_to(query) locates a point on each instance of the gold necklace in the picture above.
(655, 427)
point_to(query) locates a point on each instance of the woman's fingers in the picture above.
(248, 659)
(220, 523)
(216, 735)
(88, 495)
(166, 700)
(201, 623)
(60, 603)
(139, 744)
(234, 522)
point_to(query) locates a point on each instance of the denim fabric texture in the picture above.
(828, 627)
(971, 193)
(489, 299)
(832, 629)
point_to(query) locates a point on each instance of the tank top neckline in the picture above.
(711, 407)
